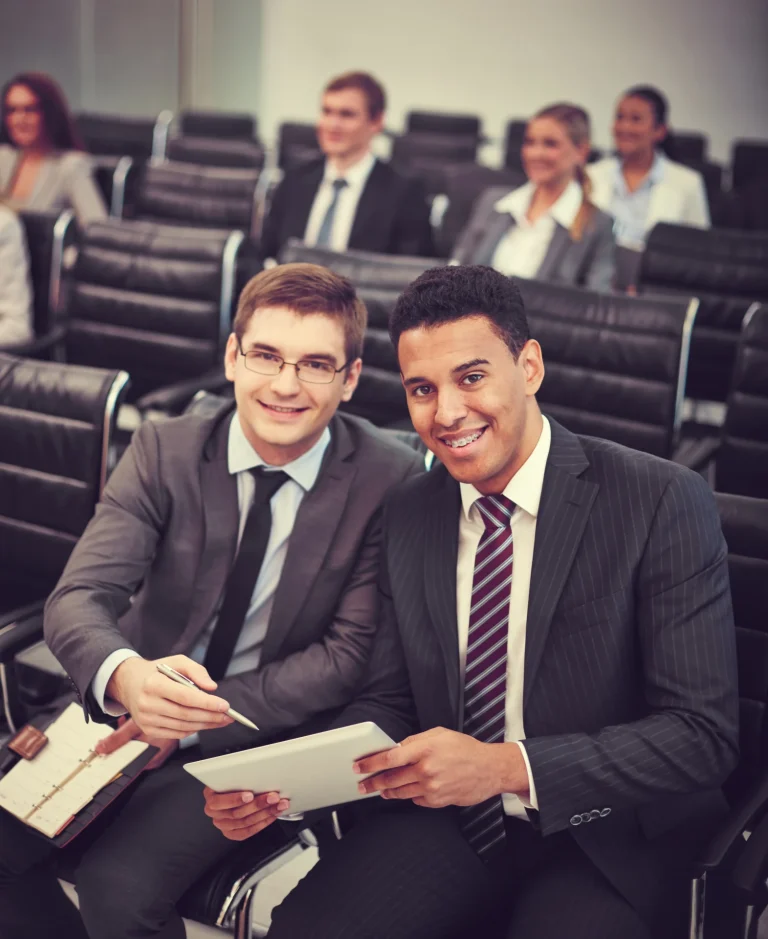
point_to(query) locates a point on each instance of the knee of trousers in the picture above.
(128, 900)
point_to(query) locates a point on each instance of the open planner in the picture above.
(67, 783)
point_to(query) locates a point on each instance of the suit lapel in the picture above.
(301, 205)
(498, 226)
(369, 211)
(566, 501)
(561, 241)
(313, 534)
(441, 547)
(220, 522)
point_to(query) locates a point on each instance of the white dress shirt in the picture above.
(346, 208)
(522, 250)
(241, 458)
(524, 489)
(15, 291)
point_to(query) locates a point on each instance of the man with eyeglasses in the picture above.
(241, 549)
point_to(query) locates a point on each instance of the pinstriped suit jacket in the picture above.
(630, 692)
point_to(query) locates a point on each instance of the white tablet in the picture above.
(313, 772)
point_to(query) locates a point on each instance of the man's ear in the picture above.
(351, 379)
(532, 361)
(230, 357)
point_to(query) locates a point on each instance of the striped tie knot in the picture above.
(495, 511)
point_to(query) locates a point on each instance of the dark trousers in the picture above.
(410, 874)
(131, 865)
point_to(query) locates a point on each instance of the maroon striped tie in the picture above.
(485, 677)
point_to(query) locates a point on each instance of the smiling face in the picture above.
(472, 404)
(635, 131)
(549, 155)
(24, 118)
(345, 129)
(281, 416)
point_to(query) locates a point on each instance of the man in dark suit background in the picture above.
(169, 569)
(349, 199)
(556, 655)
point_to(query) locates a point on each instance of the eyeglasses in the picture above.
(309, 370)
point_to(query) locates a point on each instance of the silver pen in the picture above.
(183, 680)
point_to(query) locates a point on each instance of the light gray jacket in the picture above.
(65, 181)
(15, 292)
(588, 262)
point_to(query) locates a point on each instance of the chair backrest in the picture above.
(219, 124)
(749, 160)
(689, 146)
(464, 184)
(513, 142)
(437, 122)
(366, 269)
(56, 424)
(296, 144)
(205, 196)
(213, 151)
(48, 234)
(745, 526)
(114, 135)
(615, 365)
(742, 461)
(153, 299)
(728, 272)
(428, 156)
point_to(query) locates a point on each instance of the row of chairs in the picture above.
(57, 422)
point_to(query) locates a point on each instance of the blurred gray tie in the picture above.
(324, 235)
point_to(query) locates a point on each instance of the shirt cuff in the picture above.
(101, 680)
(533, 802)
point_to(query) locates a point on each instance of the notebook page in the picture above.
(31, 789)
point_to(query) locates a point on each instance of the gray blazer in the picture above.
(588, 262)
(65, 181)
(151, 566)
(630, 702)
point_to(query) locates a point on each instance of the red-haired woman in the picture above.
(42, 163)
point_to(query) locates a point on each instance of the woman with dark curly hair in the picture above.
(42, 163)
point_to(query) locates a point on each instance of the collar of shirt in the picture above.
(563, 211)
(304, 470)
(524, 489)
(655, 175)
(356, 175)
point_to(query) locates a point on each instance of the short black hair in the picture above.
(446, 294)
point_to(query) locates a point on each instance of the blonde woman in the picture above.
(548, 229)
(15, 292)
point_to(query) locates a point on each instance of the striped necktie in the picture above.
(485, 676)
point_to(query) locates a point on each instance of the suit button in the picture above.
(586, 817)
(576, 820)
(595, 813)
(604, 813)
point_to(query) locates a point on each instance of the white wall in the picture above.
(506, 58)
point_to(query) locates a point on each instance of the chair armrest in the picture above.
(749, 871)
(19, 630)
(733, 827)
(174, 398)
(696, 454)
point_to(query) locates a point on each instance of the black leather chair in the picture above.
(296, 144)
(513, 143)
(427, 156)
(202, 196)
(439, 122)
(689, 146)
(463, 186)
(736, 870)
(615, 365)
(47, 234)
(153, 299)
(56, 425)
(121, 146)
(231, 125)
(749, 159)
(214, 151)
(727, 271)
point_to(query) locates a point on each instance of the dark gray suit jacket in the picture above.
(588, 262)
(151, 566)
(630, 692)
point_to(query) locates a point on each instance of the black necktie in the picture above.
(245, 571)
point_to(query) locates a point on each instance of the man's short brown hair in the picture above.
(372, 90)
(306, 289)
